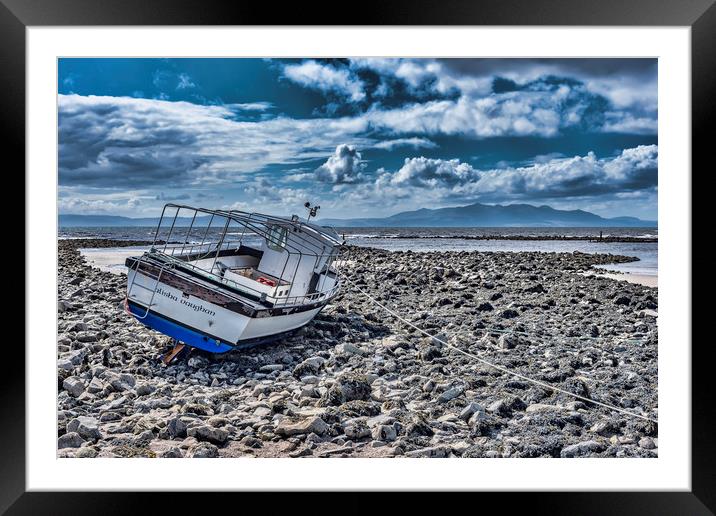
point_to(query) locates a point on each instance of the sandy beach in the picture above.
(358, 383)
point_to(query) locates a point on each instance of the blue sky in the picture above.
(360, 137)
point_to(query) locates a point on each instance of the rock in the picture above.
(451, 393)
(251, 442)
(541, 407)
(120, 382)
(203, 451)
(177, 425)
(74, 386)
(303, 452)
(65, 365)
(76, 357)
(357, 429)
(208, 433)
(384, 433)
(145, 388)
(604, 427)
(310, 366)
(348, 387)
(86, 452)
(485, 307)
(536, 288)
(469, 410)
(270, 368)
(429, 353)
(647, 443)
(581, 449)
(96, 385)
(288, 427)
(507, 341)
(477, 418)
(622, 300)
(171, 453)
(352, 349)
(509, 313)
(418, 427)
(70, 440)
(86, 426)
(434, 452)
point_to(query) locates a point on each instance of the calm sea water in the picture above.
(424, 239)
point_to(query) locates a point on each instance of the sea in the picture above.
(458, 239)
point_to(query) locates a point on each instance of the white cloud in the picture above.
(325, 78)
(510, 114)
(415, 143)
(443, 181)
(252, 106)
(344, 166)
(185, 82)
(426, 172)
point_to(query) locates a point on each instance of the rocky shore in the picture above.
(357, 383)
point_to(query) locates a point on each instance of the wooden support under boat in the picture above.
(178, 347)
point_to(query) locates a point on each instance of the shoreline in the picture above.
(534, 238)
(354, 383)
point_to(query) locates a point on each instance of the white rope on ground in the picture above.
(495, 366)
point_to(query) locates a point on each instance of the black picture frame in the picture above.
(700, 15)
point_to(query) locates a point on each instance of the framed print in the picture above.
(448, 250)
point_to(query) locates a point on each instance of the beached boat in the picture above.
(219, 280)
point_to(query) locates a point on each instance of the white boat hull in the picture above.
(221, 328)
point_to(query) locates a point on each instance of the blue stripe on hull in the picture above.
(183, 334)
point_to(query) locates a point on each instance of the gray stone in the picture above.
(477, 417)
(70, 440)
(581, 449)
(74, 386)
(288, 427)
(647, 443)
(451, 393)
(145, 388)
(86, 426)
(357, 429)
(96, 385)
(469, 410)
(384, 433)
(507, 341)
(203, 451)
(310, 366)
(208, 433)
(86, 452)
(171, 453)
(433, 452)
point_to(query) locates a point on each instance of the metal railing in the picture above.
(317, 243)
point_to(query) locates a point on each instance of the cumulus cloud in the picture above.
(343, 167)
(632, 170)
(513, 114)
(325, 78)
(430, 173)
(629, 86)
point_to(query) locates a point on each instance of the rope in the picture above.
(498, 367)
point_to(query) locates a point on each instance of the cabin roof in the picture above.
(260, 223)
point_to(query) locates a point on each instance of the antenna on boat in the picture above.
(312, 210)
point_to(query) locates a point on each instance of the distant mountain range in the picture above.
(487, 215)
(473, 215)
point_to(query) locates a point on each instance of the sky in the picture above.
(361, 137)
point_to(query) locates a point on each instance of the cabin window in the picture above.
(277, 238)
